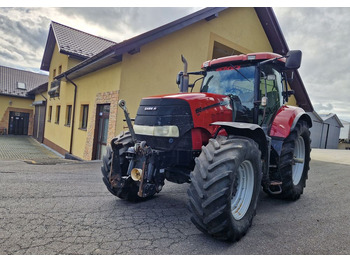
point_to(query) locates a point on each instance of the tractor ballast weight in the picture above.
(234, 136)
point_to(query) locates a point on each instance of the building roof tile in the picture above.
(72, 42)
(10, 77)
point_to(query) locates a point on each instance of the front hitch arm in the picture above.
(115, 175)
(122, 105)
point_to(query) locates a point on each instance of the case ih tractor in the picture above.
(230, 139)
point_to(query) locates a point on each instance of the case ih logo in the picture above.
(150, 108)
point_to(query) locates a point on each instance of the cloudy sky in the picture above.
(322, 33)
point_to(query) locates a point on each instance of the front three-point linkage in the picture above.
(142, 167)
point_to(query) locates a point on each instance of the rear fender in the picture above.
(286, 119)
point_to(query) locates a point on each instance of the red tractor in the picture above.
(230, 139)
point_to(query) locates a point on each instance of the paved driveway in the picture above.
(27, 149)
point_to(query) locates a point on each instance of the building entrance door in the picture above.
(39, 122)
(18, 123)
(101, 131)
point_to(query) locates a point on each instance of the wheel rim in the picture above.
(298, 160)
(240, 202)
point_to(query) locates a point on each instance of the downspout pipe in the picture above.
(42, 140)
(73, 113)
(41, 93)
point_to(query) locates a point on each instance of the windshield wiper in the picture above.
(239, 72)
(205, 87)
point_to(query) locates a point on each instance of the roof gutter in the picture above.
(107, 53)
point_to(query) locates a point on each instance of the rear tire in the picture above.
(225, 186)
(294, 163)
(130, 188)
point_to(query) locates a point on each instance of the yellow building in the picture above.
(16, 109)
(86, 81)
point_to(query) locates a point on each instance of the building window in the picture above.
(220, 50)
(49, 114)
(54, 73)
(68, 115)
(21, 85)
(55, 89)
(59, 69)
(84, 116)
(58, 110)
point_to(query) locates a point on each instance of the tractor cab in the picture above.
(255, 83)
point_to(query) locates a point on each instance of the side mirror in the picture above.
(293, 60)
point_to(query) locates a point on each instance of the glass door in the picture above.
(101, 130)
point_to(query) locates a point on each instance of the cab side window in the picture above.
(271, 87)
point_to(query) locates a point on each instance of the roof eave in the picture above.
(39, 89)
(18, 96)
(301, 96)
(137, 41)
(272, 29)
(73, 55)
(101, 60)
(48, 51)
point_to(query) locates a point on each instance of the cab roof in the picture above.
(243, 58)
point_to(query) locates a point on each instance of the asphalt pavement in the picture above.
(64, 208)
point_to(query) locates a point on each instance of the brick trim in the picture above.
(101, 98)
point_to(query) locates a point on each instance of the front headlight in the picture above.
(165, 131)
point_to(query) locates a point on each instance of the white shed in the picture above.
(325, 130)
(316, 129)
(330, 131)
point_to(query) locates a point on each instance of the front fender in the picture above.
(286, 119)
(252, 131)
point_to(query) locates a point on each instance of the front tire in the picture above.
(130, 188)
(225, 186)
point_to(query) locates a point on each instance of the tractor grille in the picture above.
(164, 112)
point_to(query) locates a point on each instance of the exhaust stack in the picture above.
(183, 77)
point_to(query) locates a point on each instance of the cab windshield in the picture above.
(237, 82)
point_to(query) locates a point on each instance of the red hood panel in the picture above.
(206, 108)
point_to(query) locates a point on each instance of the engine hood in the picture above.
(206, 108)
